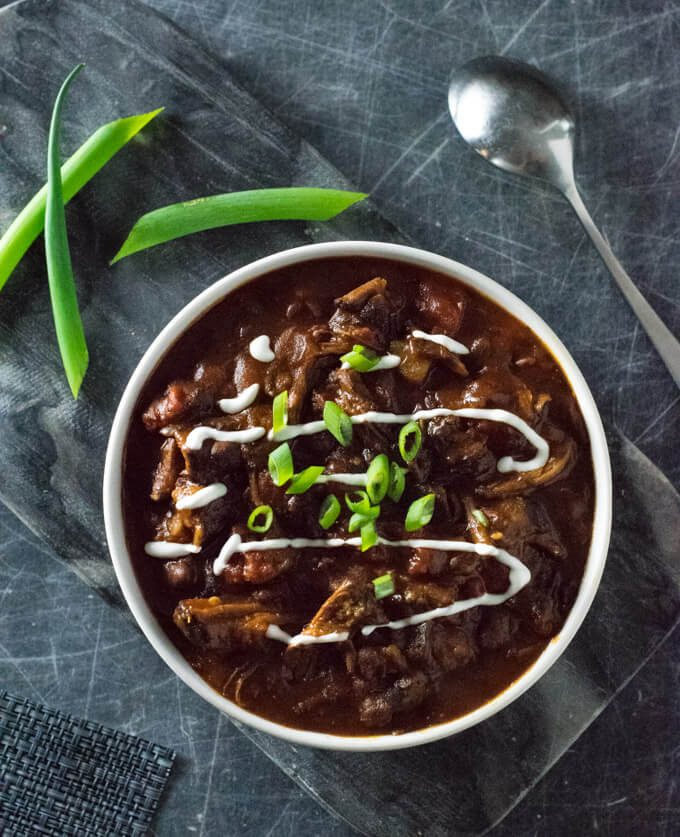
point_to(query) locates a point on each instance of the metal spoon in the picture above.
(513, 116)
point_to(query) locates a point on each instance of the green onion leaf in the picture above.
(92, 156)
(369, 536)
(357, 501)
(68, 324)
(268, 518)
(280, 411)
(304, 480)
(419, 513)
(280, 464)
(179, 219)
(329, 512)
(410, 437)
(337, 422)
(397, 482)
(479, 515)
(361, 359)
(383, 586)
(378, 478)
(358, 520)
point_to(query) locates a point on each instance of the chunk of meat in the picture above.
(348, 390)
(202, 523)
(406, 693)
(367, 316)
(418, 356)
(498, 627)
(186, 399)
(347, 608)
(299, 363)
(441, 307)
(462, 449)
(558, 466)
(375, 663)
(168, 469)
(224, 625)
(258, 567)
(427, 561)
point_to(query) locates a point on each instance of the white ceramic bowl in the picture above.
(113, 476)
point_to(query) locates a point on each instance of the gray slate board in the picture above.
(213, 138)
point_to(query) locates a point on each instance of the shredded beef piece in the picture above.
(181, 401)
(367, 316)
(441, 308)
(168, 469)
(406, 693)
(224, 625)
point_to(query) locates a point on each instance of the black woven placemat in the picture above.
(60, 775)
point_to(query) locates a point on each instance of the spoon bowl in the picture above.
(516, 118)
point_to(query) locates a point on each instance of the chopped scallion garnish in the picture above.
(410, 437)
(337, 422)
(419, 513)
(357, 520)
(304, 480)
(378, 478)
(397, 484)
(369, 536)
(280, 412)
(480, 517)
(383, 586)
(258, 512)
(329, 512)
(361, 359)
(280, 464)
(357, 501)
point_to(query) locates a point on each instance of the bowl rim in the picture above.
(193, 310)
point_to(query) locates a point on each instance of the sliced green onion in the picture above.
(383, 586)
(329, 512)
(268, 518)
(280, 464)
(68, 324)
(280, 411)
(397, 482)
(92, 156)
(179, 219)
(410, 437)
(357, 501)
(479, 515)
(304, 480)
(361, 359)
(337, 422)
(358, 520)
(419, 513)
(378, 478)
(369, 536)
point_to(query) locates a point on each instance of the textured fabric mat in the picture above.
(214, 137)
(61, 775)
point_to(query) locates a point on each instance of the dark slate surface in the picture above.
(365, 83)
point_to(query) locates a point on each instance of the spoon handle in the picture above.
(666, 344)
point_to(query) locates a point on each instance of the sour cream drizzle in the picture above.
(168, 549)
(519, 578)
(505, 464)
(345, 479)
(241, 401)
(261, 349)
(202, 497)
(449, 343)
(198, 435)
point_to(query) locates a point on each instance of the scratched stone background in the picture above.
(365, 82)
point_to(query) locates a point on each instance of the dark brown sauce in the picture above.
(260, 308)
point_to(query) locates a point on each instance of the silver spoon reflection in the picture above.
(513, 116)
